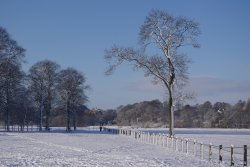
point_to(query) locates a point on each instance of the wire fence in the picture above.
(229, 156)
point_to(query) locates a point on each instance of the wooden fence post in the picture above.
(201, 149)
(187, 146)
(156, 139)
(232, 155)
(148, 137)
(182, 145)
(167, 141)
(160, 139)
(245, 156)
(210, 152)
(220, 156)
(194, 147)
(163, 140)
(176, 144)
(172, 143)
(151, 138)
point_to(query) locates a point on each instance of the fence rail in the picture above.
(231, 156)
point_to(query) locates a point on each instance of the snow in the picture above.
(88, 147)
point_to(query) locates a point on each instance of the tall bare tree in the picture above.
(11, 58)
(10, 83)
(43, 78)
(167, 34)
(71, 89)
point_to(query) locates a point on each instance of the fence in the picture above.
(17, 128)
(231, 156)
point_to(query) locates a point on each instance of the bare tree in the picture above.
(10, 82)
(71, 89)
(43, 78)
(168, 34)
(11, 57)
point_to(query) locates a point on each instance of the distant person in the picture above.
(100, 128)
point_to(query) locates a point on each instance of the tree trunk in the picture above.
(7, 119)
(170, 111)
(41, 117)
(170, 100)
(68, 118)
(48, 108)
(47, 120)
(7, 122)
(74, 120)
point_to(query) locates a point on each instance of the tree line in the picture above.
(207, 115)
(29, 98)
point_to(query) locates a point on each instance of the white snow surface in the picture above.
(90, 148)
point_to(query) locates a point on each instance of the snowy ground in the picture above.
(90, 148)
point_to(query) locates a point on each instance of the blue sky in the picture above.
(75, 34)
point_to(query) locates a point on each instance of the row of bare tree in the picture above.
(29, 98)
(207, 115)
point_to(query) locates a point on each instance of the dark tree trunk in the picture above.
(74, 120)
(47, 120)
(68, 118)
(48, 108)
(41, 117)
(7, 119)
(170, 111)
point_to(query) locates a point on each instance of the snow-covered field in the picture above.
(88, 147)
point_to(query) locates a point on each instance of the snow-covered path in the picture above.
(88, 148)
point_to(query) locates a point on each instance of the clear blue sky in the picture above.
(75, 33)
